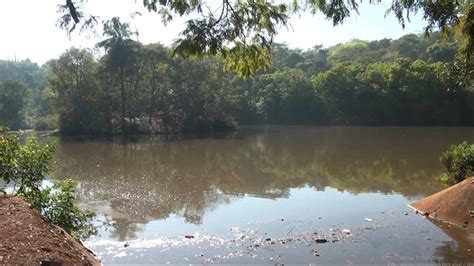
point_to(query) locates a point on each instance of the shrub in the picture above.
(24, 167)
(459, 162)
(49, 122)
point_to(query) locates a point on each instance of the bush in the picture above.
(459, 162)
(49, 122)
(24, 167)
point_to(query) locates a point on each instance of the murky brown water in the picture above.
(265, 194)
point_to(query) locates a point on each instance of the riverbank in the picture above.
(454, 205)
(29, 239)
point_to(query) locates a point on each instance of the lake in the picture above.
(276, 194)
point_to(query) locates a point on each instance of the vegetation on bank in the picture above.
(459, 163)
(136, 88)
(23, 169)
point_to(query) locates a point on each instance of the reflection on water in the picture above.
(150, 180)
(455, 250)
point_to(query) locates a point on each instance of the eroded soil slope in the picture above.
(28, 238)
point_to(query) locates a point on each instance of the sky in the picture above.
(28, 27)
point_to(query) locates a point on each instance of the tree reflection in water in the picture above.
(150, 178)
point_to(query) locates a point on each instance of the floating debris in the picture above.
(315, 253)
(368, 220)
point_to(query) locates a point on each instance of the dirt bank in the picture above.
(454, 205)
(27, 238)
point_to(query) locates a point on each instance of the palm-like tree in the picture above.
(116, 33)
(121, 51)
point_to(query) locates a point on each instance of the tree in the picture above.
(338, 87)
(444, 52)
(409, 46)
(121, 58)
(12, 103)
(156, 79)
(287, 97)
(24, 169)
(315, 60)
(354, 51)
(159, 93)
(79, 100)
(242, 31)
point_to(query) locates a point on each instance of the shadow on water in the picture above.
(461, 249)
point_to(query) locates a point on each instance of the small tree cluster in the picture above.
(23, 168)
(459, 162)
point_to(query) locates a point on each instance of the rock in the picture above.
(126, 244)
(406, 213)
(347, 231)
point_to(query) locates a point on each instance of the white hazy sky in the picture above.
(27, 27)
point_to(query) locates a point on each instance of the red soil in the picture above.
(27, 238)
(454, 205)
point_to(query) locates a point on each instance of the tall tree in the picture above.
(12, 103)
(79, 100)
(121, 57)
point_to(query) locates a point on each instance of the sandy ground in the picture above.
(454, 205)
(27, 238)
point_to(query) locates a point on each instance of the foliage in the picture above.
(12, 102)
(25, 166)
(459, 162)
(78, 102)
(61, 209)
(49, 122)
(23, 96)
(287, 97)
(242, 31)
(24, 71)
(393, 93)
(136, 89)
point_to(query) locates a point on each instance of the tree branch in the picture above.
(72, 11)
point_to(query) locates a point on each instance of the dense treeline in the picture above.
(136, 88)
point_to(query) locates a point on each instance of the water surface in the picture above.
(265, 194)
